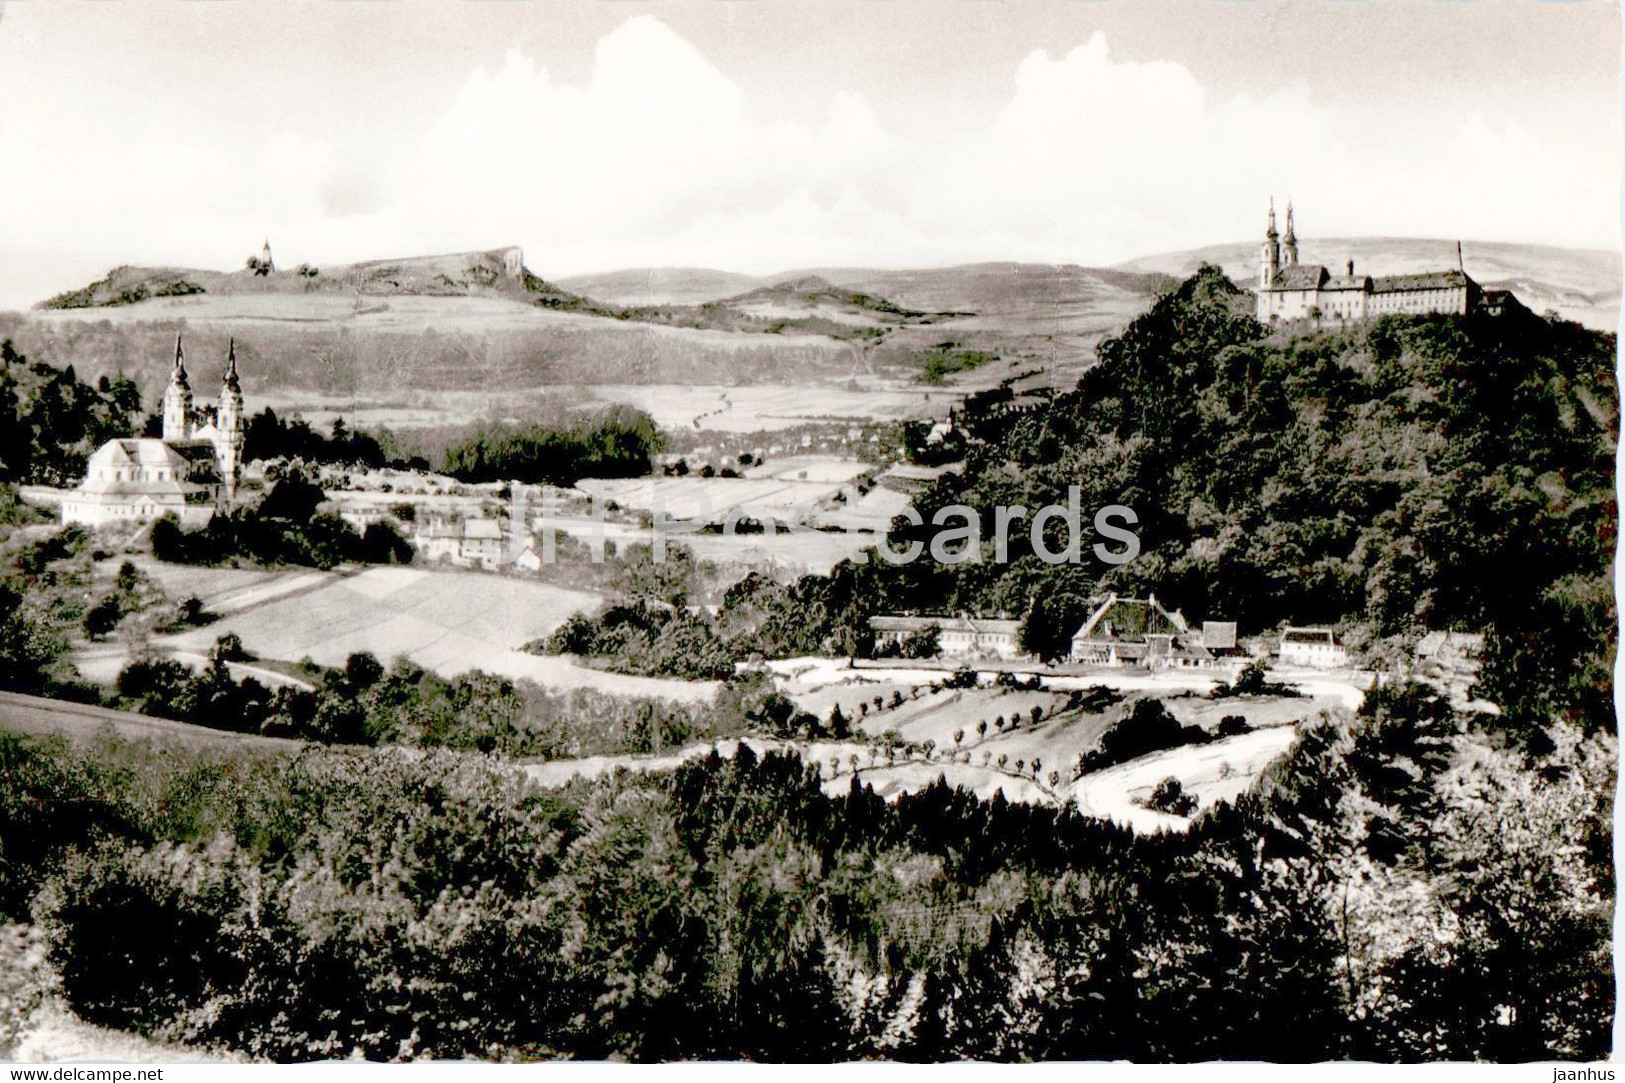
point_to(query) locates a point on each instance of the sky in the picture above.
(767, 135)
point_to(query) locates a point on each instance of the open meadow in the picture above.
(449, 622)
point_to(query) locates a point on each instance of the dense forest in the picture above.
(621, 442)
(51, 421)
(1401, 887)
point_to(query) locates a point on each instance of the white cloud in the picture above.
(656, 156)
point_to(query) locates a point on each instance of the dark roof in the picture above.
(1429, 280)
(1360, 283)
(976, 625)
(1305, 276)
(1127, 620)
(1308, 635)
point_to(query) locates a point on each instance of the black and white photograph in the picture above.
(808, 531)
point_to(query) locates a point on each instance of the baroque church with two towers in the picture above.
(190, 472)
(1289, 290)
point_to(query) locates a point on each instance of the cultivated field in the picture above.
(820, 468)
(928, 721)
(449, 622)
(814, 551)
(714, 498)
(771, 407)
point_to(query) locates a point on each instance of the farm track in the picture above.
(39, 717)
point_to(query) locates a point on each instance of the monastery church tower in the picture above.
(1279, 252)
(1269, 257)
(222, 427)
(228, 423)
(178, 400)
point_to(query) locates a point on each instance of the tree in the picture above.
(229, 648)
(362, 670)
(103, 617)
(1046, 629)
(127, 579)
(924, 643)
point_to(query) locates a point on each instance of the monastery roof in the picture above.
(143, 451)
(1360, 283)
(1429, 280)
(1303, 276)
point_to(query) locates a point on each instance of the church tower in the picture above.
(266, 265)
(1289, 242)
(1269, 269)
(178, 400)
(228, 441)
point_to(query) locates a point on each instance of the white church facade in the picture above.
(192, 470)
(1288, 290)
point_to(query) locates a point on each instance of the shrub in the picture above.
(1170, 797)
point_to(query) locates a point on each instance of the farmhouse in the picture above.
(957, 637)
(193, 469)
(481, 543)
(1142, 632)
(438, 540)
(473, 541)
(1316, 648)
(1288, 290)
(1449, 654)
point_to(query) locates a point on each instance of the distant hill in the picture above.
(498, 271)
(662, 285)
(1581, 284)
(480, 322)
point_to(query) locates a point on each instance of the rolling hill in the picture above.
(428, 340)
(481, 326)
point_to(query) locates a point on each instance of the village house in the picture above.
(528, 560)
(481, 543)
(469, 542)
(437, 540)
(1449, 654)
(969, 638)
(1314, 648)
(361, 516)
